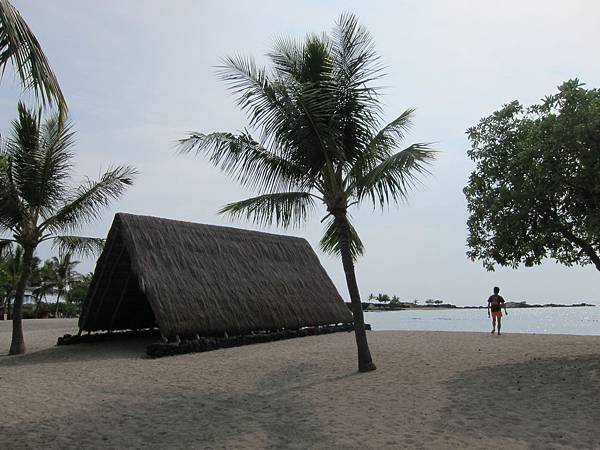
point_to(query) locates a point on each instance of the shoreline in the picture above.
(385, 308)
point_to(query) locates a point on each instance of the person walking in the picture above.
(495, 305)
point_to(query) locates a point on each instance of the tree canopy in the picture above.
(535, 192)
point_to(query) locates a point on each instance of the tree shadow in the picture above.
(275, 414)
(542, 402)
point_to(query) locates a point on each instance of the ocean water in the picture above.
(578, 320)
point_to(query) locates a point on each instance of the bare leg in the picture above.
(493, 325)
(499, 324)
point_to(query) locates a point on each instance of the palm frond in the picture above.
(245, 160)
(353, 52)
(395, 176)
(86, 204)
(391, 134)
(356, 67)
(23, 151)
(19, 46)
(55, 164)
(78, 245)
(287, 57)
(330, 242)
(5, 247)
(45, 157)
(293, 117)
(382, 145)
(11, 209)
(284, 209)
(257, 94)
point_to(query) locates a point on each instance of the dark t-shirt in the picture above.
(495, 302)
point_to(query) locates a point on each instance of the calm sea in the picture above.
(580, 320)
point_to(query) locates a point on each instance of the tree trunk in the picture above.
(17, 345)
(365, 362)
(57, 300)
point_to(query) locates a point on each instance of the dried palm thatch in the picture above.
(192, 279)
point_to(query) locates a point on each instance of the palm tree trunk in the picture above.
(17, 345)
(365, 362)
(57, 300)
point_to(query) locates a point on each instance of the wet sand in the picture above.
(431, 390)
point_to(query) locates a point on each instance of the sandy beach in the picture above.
(431, 390)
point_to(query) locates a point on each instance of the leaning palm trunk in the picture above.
(17, 346)
(365, 362)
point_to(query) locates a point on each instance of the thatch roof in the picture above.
(190, 279)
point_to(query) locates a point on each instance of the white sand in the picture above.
(431, 390)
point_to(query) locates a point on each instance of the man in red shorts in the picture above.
(495, 305)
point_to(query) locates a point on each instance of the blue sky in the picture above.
(139, 74)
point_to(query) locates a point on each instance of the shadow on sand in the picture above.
(96, 351)
(541, 402)
(274, 414)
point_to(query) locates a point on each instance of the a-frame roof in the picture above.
(190, 278)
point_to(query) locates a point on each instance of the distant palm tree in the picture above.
(38, 204)
(63, 268)
(19, 46)
(12, 262)
(321, 139)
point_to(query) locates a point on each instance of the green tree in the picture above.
(37, 202)
(321, 139)
(64, 274)
(19, 46)
(383, 298)
(78, 289)
(395, 301)
(44, 286)
(10, 268)
(535, 192)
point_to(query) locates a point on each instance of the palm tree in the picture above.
(10, 270)
(64, 274)
(19, 46)
(38, 204)
(78, 289)
(321, 139)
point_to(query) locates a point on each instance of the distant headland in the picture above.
(383, 302)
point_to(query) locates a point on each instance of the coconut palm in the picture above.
(19, 46)
(37, 202)
(321, 139)
(63, 274)
(10, 268)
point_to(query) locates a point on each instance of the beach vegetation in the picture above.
(535, 191)
(38, 202)
(317, 137)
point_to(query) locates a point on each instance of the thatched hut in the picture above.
(191, 279)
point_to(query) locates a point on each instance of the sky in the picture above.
(139, 74)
